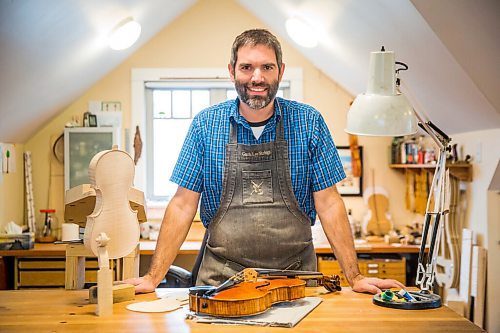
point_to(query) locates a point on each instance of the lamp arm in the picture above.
(440, 138)
(434, 217)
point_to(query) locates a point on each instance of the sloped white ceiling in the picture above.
(470, 31)
(436, 83)
(51, 51)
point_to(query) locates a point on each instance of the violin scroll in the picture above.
(331, 283)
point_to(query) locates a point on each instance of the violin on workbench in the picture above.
(253, 291)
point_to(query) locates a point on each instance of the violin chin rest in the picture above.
(201, 290)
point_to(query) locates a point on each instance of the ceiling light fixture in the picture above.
(301, 32)
(125, 34)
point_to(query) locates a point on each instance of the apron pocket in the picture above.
(257, 187)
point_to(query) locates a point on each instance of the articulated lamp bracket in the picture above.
(432, 229)
(384, 111)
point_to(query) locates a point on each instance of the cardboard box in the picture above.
(23, 241)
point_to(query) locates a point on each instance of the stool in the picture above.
(126, 267)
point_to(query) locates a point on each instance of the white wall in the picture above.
(484, 148)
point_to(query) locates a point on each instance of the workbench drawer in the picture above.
(330, 266)
(39, 264)
(49, 278)
(37, 272)
(381, 268)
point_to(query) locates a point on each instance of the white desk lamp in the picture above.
(384, 111)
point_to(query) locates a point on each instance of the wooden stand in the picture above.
(104, 278)
(126, 267)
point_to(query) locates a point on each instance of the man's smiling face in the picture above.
(256, 75)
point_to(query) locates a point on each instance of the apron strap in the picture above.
(279, 126)
(233, 132)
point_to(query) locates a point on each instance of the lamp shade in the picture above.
(381, 111)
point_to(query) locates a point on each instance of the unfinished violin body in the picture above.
(245, 295)
(111, 174)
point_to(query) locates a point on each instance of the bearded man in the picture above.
(263, 167)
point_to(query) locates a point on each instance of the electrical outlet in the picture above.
(111, 106)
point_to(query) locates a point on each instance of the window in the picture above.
(169, 112)
(168, 107)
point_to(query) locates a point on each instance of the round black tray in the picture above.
(423, 300)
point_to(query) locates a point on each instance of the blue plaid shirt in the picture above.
(314, 160)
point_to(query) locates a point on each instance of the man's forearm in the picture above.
(333, 216)
(174, 229)
(342, 245)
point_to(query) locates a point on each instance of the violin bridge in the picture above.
(249, 274)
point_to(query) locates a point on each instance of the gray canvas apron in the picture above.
(259, 223)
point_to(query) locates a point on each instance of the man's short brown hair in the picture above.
(255, 37)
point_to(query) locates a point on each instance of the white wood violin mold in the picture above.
(112, 227)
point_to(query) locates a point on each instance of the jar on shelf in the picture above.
(47, 233)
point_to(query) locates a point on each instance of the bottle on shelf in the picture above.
(46, 233)
(420, 150)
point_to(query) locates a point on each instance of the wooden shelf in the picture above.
(461, 171)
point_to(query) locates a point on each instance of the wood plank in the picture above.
(478, 283)
(461, 171)
(465, 268)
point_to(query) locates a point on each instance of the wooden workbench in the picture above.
(54, 271)
(192, 247)
(69, 311)
(193, 243)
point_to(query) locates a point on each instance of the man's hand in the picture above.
(174, 229)
(143, 284)
(363, 284)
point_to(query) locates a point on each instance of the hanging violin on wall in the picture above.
(253, 291)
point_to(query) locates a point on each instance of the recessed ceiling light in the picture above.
(125, 34)
(301, 32)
